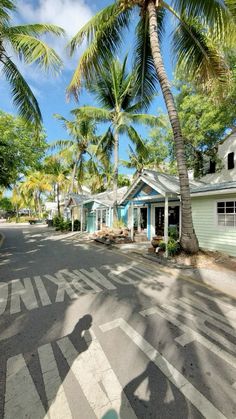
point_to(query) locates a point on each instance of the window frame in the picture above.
(225, 227)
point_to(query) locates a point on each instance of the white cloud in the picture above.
(71, 15)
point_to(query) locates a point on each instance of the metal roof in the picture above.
(214, 187)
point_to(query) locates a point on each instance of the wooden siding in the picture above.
(209, 234)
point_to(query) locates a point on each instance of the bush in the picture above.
(57, 221)
(118, 224)
(61, 224)
(173, 233)
(173, 247)
(162, 246)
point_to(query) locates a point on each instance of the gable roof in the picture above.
(214, 187)
(102, 198)
(162, 183)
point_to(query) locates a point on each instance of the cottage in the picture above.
(95, 211)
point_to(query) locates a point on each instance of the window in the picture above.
(226, 213)
(212, 166)
(231, 161)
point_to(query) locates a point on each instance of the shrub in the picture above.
(57, 221)
(173, 247)
(173, 232)
(118, 224)
(162, 245)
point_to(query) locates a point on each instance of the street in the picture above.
(87, 332)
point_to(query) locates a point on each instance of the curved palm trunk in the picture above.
(58, 200)
(188, 238)
(115, 176)
(74, 173)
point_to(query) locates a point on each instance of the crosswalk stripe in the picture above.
(45, 300)
(22, 293)
(56, 397)
(190, 335)
(21, 397)
(4, 295)
(199, 323)
(96, 377)
(205, 407)
(228, 309)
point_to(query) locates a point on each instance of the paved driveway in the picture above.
(88, 333)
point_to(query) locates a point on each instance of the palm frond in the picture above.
(99, 114)
(36, 29)
(23, 97)
(6, 7)
(104, 35)
(61, 144)
(199, 54)
(33, 50)
(145, 119)
(136, 139)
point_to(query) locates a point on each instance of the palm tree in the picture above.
(83, 136)
(35, 185)
(25, 42)
(58, 171)
(116, 90)
(201, 28)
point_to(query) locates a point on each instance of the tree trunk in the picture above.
(74, 172)
(115, 176)
(58, 200)
(188, 239)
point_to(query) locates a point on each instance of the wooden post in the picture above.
(81, 219)
(132, 221)
(166, 224)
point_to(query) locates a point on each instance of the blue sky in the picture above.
(50, 91)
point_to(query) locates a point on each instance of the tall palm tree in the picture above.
(202, 26)
(25, 42)
(35, 185)
(116, 90)
(58, 171)
(83, 136)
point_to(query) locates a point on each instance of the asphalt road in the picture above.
(86, 332)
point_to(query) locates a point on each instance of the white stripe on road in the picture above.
(94, 374)
(205, 407)
(4, 296)
(197, 304)
(187, 305)
(98, 277)
(63, 287)
(228, 309)
(45, 300)
(21, 398)
(190, 335)
(199, 323)
(22, 293)
(56, 397)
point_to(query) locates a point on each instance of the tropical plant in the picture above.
(34, 186)
(202, 28)
(116, 90)
(27, 45)
(58, 171)
(74, 150)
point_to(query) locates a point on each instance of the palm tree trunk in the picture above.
(74, 172)
(188, 239)
(115, 176)
(58, 200)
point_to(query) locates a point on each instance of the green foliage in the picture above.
(76, 225)
(61, 224)
(57, 221)
(6, 205)
(162, 246)
(25, 41)
(173, 233)
(173, 247)
(20, 150)
(118, 223)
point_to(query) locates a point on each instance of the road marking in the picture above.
(45, 300)
(190, 335)
(199, 323)
(81, 277)
(96, 377)
(205, 407)
(21, 398)
(22, 293)
(197, 304)
(226, 308)
(204, 316)
(98, 277)
(57, 402)
(78, 280)
(4, 296)
(63, 287)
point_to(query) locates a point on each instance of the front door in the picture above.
(173, 212)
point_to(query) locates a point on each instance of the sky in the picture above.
(49, 90)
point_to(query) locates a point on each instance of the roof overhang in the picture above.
(215, 192)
